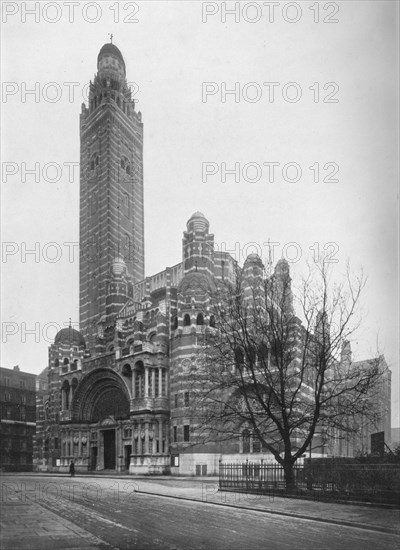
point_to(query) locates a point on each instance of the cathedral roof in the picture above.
(111, 49)
(70, 337)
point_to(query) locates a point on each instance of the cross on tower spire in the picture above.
(111, 37)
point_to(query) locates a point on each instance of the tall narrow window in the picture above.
(186, 399)
(186, 432)
(256, 444)
(239, 359)
(175, 434)
(246, 441)
(186, 320)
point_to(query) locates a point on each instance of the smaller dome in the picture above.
(198, 221)
(111, 49)
(282, 267)
(254, 259)
(69, 337)
(118, 266)
(197, 215)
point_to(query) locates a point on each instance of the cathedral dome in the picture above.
(282, 267)
(198, 221)
(118, 266)
(253, 259)
(70, 337)
(111, 49)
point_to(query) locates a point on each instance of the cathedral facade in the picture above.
(108, 401)
(118, 394)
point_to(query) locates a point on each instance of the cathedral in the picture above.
(118, 394)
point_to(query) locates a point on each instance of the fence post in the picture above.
(309, 476)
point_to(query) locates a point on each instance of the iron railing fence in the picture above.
(339, 481)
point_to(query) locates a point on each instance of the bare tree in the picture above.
(265, 370)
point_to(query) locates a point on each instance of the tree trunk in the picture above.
(289, 476)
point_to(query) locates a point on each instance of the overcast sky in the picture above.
(340, 109)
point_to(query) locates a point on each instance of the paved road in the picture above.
(56, 513)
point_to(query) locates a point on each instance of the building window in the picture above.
(127, 433)
(186, 434)
(23, 399)
(186, 320)
(157, 383)
(56, 443)
(163, 382)
(256, 444)
(186, 399)
(200, 319)
(176, 401)
(94, 161)
(239, 359)
(22, 383)
(246, 441)
(175, 434)
(212, 321)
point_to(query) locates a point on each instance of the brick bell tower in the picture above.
(111, 187)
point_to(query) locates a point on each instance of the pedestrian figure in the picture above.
(72, 468)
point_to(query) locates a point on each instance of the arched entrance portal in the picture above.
(102, 401)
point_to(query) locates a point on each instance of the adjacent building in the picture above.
(18, 419)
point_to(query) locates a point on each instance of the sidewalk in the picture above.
(206, 490)
(27, 526)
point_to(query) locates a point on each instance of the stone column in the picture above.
(133, 445)
(160, 435)
(146, 382)
(160, 382)
(69, 399)
(153, 382)
(146, 438)
(166, 438)
(134, 384)
(140, 450)
(80, 444)
(119, 448)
